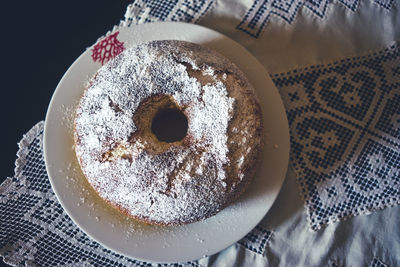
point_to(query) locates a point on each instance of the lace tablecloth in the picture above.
(338, 72)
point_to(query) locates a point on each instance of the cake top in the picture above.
(184, 182)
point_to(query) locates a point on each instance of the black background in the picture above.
(39, 41)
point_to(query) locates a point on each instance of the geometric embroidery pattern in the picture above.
(344, 123)
(377, 263)
(261, 11)
(143, 11)
(256, 240)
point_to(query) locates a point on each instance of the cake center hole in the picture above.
(170, 125)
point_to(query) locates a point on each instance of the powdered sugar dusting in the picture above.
(183, 184)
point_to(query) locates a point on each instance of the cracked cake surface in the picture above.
(175, 182)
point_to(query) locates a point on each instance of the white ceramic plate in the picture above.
(155, 243)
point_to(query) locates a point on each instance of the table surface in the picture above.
(41, 40)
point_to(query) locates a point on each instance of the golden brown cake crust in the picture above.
(169, 182)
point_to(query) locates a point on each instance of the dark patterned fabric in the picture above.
(173, 10)
(261, 11)
(377, 263)
(256, 240)
(345, 134)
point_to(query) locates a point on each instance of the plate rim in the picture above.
(51, 107)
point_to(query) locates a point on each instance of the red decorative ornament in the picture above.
(107, 49)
